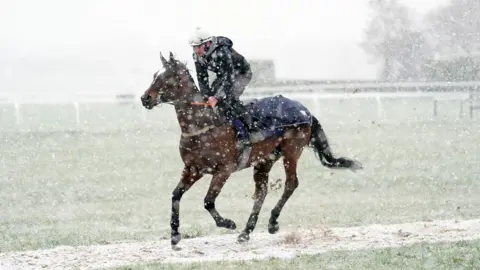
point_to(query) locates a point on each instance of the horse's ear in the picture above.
(164, 61)
(172, 59)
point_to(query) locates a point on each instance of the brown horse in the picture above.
(208, 145)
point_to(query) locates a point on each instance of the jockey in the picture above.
(233, 73)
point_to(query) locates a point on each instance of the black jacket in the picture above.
(225, 62)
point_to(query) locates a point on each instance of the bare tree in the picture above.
(455, 28)
(390, 37)
(454, 34)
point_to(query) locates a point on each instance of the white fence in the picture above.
(379, 96)
(75, 99)
(391, 87)
(315, 95)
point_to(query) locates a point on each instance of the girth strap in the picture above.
(198, 132)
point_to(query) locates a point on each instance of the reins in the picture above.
(201, 104)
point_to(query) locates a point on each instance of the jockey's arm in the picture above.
(225, 90)
(202, 76)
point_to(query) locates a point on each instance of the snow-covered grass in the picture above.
(88, 187)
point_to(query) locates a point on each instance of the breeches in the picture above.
(239, 83)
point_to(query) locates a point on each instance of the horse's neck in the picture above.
(193, 118)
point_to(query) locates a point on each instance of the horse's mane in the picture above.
(176, 66)
(183, 66)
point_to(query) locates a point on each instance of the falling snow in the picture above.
(111, 156)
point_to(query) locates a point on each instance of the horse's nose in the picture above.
(145, 100)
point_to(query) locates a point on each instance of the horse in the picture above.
(209, 145)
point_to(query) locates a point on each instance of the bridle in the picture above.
(159, 100)
(146, 99)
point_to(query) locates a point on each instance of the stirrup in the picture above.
(244, 140)
(256, 136)
(247, 122)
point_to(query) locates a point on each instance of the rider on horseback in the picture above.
(233, 73)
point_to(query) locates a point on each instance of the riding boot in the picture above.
(253, 130)
(247, 120)
(242, 113)
(242, 131)
(240, 121)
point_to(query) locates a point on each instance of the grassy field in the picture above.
(111, 178)
(448, 255)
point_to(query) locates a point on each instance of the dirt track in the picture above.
(261, 246)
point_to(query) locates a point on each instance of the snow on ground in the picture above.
(261, 245)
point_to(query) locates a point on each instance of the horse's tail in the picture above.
(319, 143)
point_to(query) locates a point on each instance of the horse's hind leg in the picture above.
(216, 185)
(292, 149)
(260, 176)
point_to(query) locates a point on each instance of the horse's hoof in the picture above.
(355, 166)
(243, 237)
(273, 228)
(175, 239)
(229, 224)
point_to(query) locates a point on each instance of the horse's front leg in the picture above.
(188, 178)
(218, 181)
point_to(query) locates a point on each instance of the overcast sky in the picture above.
(113, 44)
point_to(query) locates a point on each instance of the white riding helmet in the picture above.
(199, 36)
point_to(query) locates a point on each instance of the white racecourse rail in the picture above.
(301, 92)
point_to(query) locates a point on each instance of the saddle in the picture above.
(269, 117)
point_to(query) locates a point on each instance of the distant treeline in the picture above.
(443, 45)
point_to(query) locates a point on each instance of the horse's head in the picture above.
(170, 85)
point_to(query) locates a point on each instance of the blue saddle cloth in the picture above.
(273, 114)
